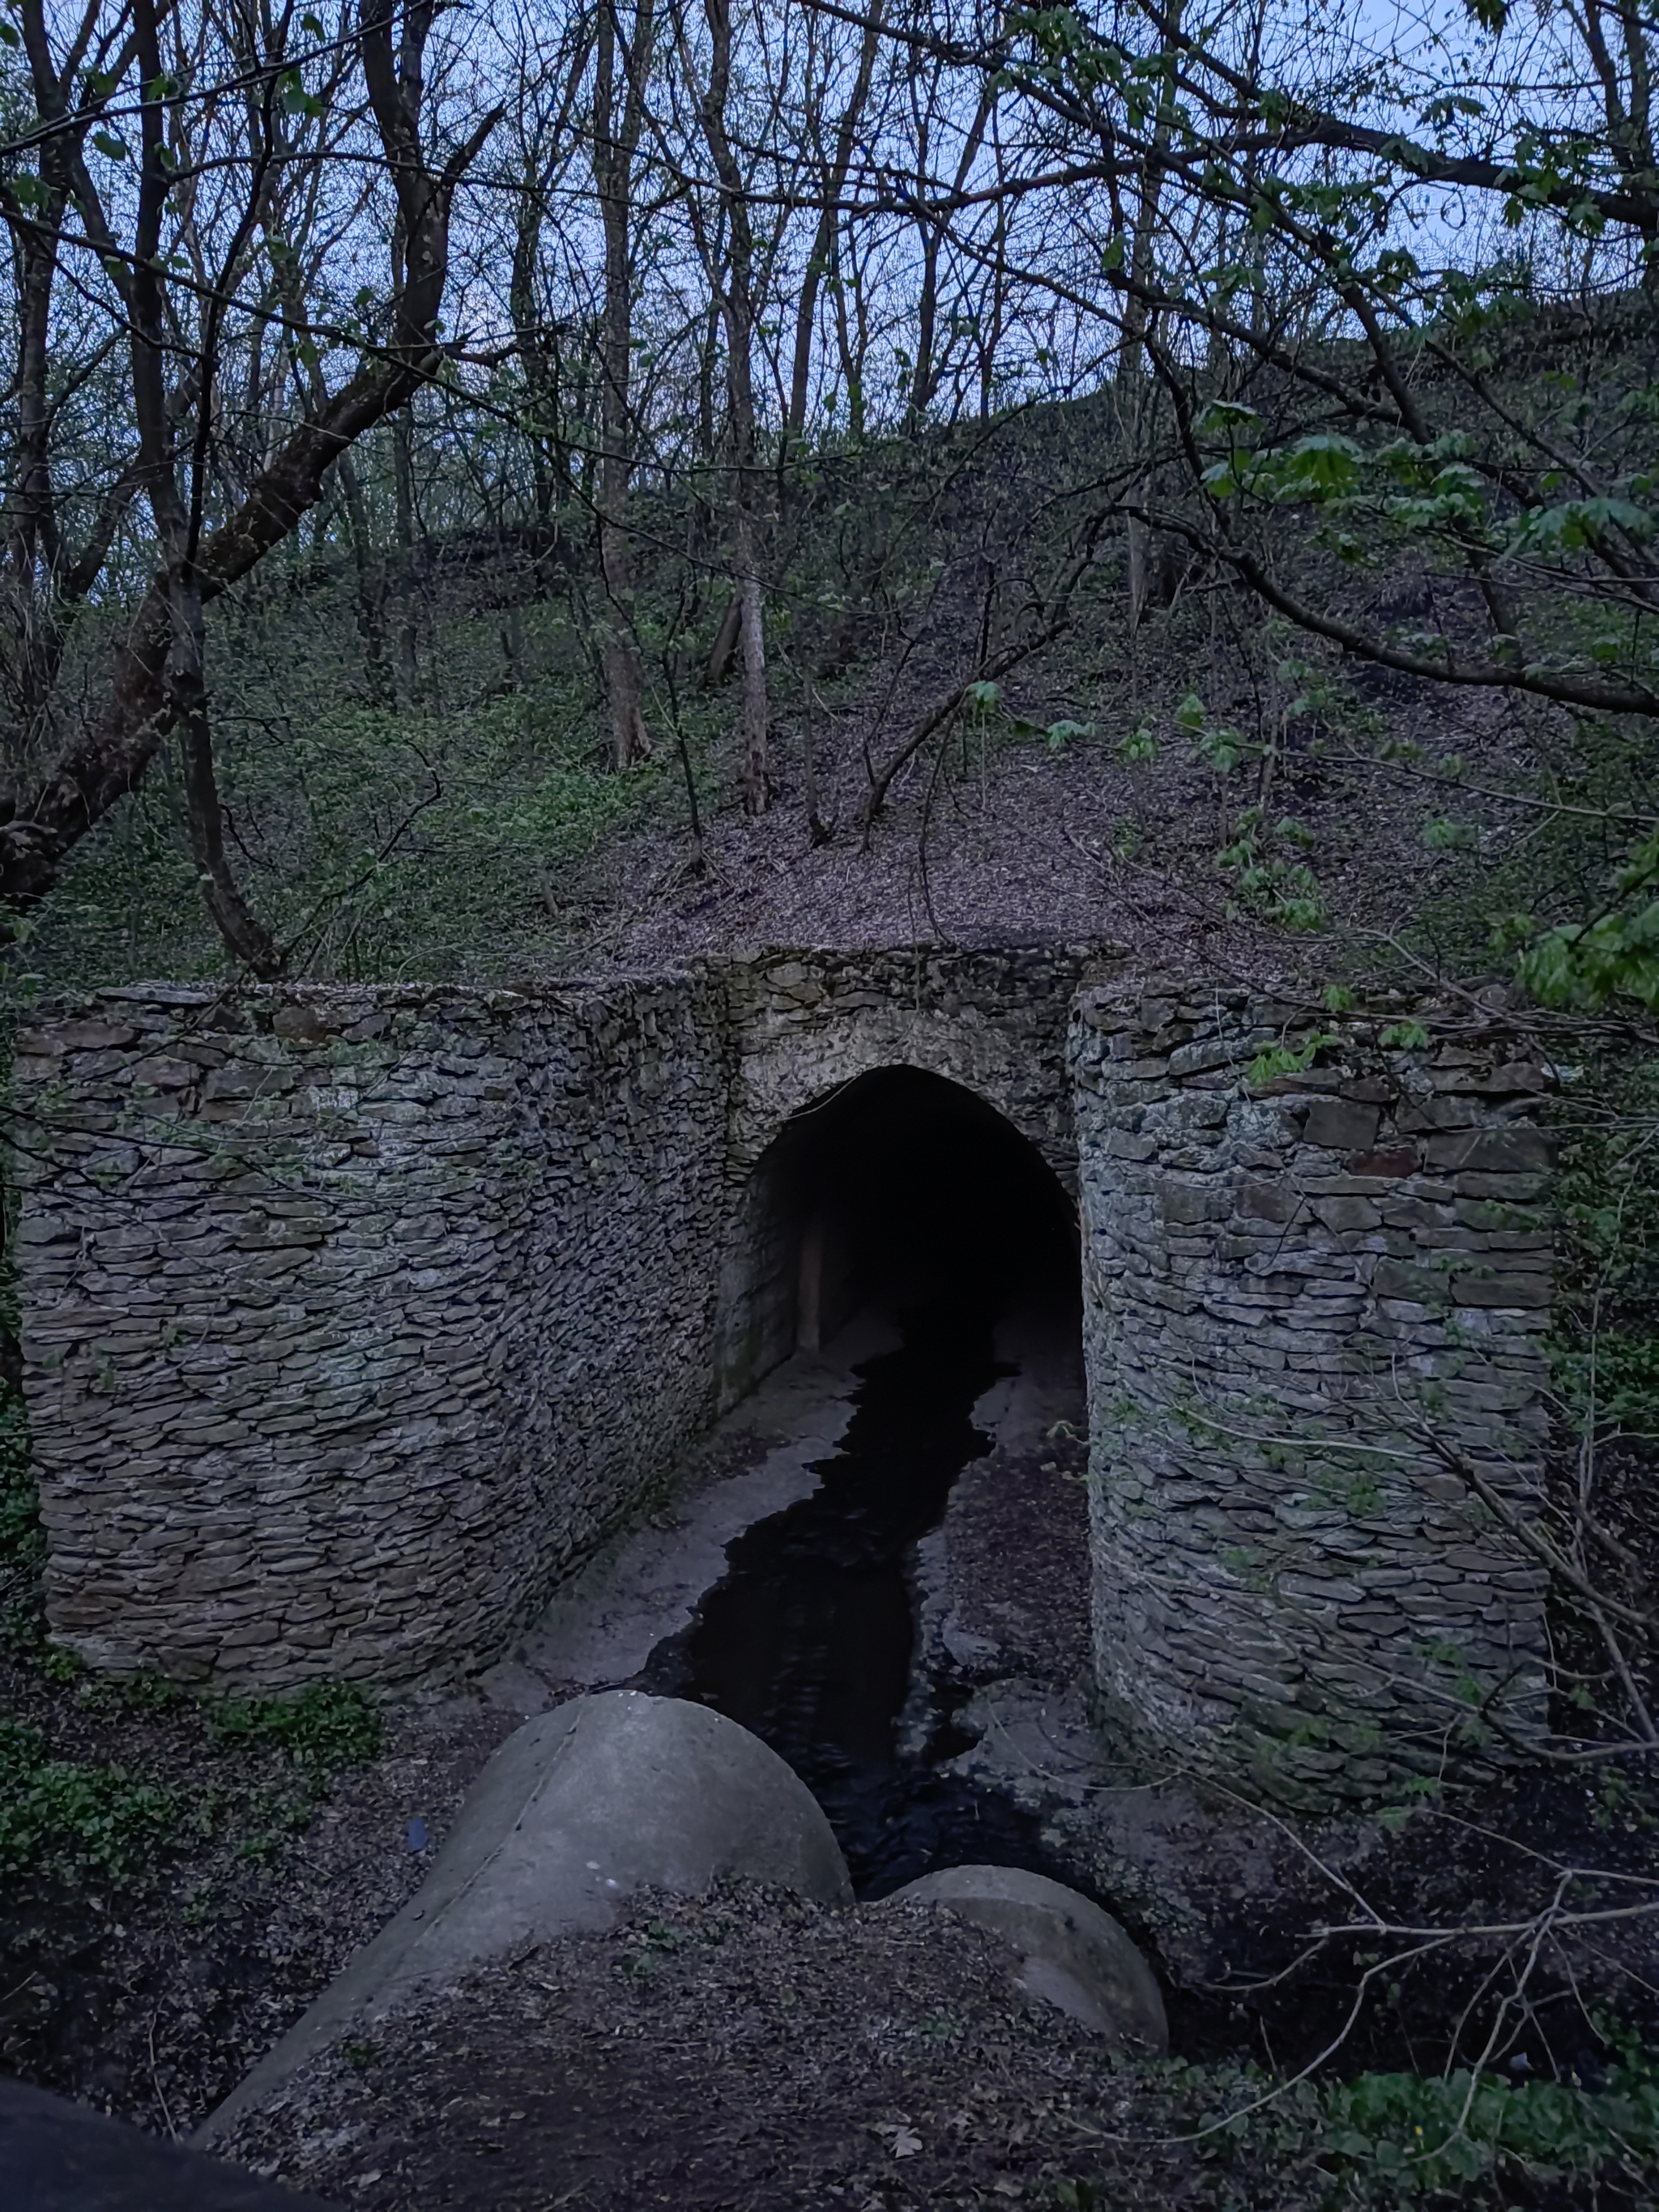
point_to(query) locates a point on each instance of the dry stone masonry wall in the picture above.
(996, 1023)
(353, 1318)
(1314, 1307)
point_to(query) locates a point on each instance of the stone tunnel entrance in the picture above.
(354, 1319)
(900, 1189)
(902, 1228)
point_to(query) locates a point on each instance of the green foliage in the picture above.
(1219, 747)
(1405, 1036)
(1397, 2138)
(321, 1728)
(1588, 965)
(1079, 2197)
(1605, 1346)
(1377, 2140)
(1062, 734)
(68, 1821)
(1276, 1059)
(1269, 879)
(22, 1540)
(436, 839)
(145, 1692)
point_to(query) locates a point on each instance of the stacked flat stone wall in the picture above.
(995, 1021)
(351, 1319)
(1315, 1303)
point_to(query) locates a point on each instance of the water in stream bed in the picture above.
(810, 1638)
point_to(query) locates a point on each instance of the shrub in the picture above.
(1395, 2138)
(1377, 2140)
(23, 1541)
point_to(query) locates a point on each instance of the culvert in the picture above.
(903, 1198)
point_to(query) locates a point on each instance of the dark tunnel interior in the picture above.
(899, 1190)
(905, 1198)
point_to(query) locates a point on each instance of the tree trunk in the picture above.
(243, 932)
(925, 375)
(614, 149)
(113, 754)
(402, 474)
(737, 309)
(834, 180)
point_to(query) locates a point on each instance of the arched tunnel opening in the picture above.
(902, 1212)
(900, 1190)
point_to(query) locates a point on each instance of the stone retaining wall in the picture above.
(995, 1021)
(1313, 1303)
(352, 1318)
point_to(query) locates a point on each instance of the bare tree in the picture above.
(831, 175)
(735, 282)
(615, 144)
(157, 681)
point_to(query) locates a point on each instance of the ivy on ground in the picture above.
(69, 1822)
(1368, 2144)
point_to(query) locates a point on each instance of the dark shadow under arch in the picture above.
(896, 1190)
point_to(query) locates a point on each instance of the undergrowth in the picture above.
(1471, 2139)
(23, 1540)
(1461, 2138)
(321, 1730)
(69, 1822)
(1605, 1342)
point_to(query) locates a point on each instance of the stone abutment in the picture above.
(353, 1319)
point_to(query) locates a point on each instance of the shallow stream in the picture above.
(809, 1638)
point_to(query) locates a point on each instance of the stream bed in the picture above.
(809, 1638)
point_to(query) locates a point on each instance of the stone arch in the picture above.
(895, 1180)
(804, 1026)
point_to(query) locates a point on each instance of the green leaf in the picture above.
(1222, 749)
(1227, 418)
(1279, 1060)
(1062, 733)
(1326, 462)
(111, 147)
(1405, 1036)
(1581, 523)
